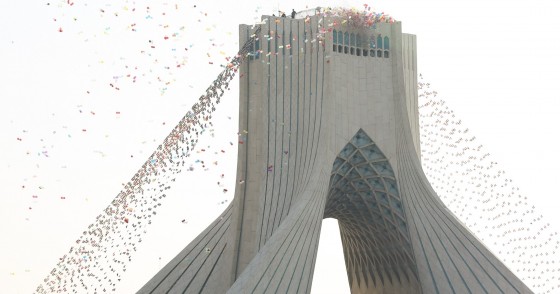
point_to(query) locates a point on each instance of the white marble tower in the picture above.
(328, 119)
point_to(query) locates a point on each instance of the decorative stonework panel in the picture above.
(364, 197)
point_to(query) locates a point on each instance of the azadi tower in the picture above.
(329, 121)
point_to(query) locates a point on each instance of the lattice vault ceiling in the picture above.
(364, 198)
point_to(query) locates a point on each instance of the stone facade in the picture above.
(329, 128)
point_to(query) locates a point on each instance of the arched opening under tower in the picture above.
(329, 275)
(364, 197)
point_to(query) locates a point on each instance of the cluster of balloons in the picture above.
(99, 258)
(471, 184)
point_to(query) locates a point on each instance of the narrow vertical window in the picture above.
(346, 42)
(334, 40)
(283, 44)
(379, 42)
(291, 37)
(372, 42)
(340, 38)
(358, 41)
(352, 43)
(386, 43)
(304, 40)
(252, 51)
(257, 47)
(268, 41)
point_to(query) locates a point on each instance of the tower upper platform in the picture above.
(364, 42)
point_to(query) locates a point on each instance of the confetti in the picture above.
(102, 252)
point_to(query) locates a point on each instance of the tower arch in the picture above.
(363, 195)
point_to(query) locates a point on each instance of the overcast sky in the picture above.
(89, 90)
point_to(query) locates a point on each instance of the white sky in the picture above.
(496, 62)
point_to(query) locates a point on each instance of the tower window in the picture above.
(346, 39)
(386, 43)
(351, 50)
(386, 54)
(283, 44)
(334, 41)
(372, 53)
(379, 53)
(379, 42)
(304, 41)
(339, 38)
(365, 51)
(252, 51)
(372, 42)
(358, 41)
(352, 40)
(268, 40)
(257, 48)
(291, 37)
(345, 49)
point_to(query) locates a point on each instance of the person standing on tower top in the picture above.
(293, 13)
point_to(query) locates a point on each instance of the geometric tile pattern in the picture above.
(364, 197)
